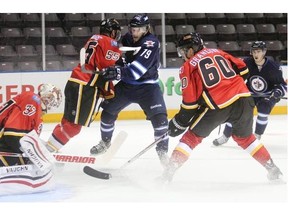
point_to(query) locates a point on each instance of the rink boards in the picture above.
(17, 82)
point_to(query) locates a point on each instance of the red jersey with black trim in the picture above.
(212, 77)
(19, 116)
(101, 52)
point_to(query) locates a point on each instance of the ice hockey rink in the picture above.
(222, 176)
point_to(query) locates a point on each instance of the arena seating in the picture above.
(29, 66)
(233, 32)
(31, 19)
(226, 32)
(8, 66)
(8, 53)
(54, 65)
(26, 52)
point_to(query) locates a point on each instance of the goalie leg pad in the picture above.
(25, 179)
(33, 148)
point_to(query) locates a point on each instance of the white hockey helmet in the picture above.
(51, 96)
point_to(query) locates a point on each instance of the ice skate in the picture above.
(100, 148)
(168, 173)
(274, 172)
(221, 140)
(163, 157)
(258, 136)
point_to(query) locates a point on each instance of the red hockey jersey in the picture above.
(19, 116)
(101, 52)
(212, 77)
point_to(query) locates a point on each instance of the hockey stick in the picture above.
(263, 96)
(106, 158)
(102, 175)
(145, 149)
(96, 173)
(60, 158)
(125, 49)
(116, 144)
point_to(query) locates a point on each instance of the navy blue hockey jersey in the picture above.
(142, 66)
(265, 80)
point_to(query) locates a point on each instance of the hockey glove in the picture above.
(175, 128)
(275, 96)
(111, 73)
(121, 62)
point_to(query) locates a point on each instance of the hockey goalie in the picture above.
(26, 166)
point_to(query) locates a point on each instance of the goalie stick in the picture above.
(60, 158)
(106, 158)
(102, 175)
(116, 144)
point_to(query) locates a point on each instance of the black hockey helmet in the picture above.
(258, 45)
(140, 20)
(108, 25)
(191, 40)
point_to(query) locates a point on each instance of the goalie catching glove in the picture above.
(111, 73)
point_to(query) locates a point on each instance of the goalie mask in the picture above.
(51, 97)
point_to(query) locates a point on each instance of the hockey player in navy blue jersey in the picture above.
(267, 86)
(138, 84)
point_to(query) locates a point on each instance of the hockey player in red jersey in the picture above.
(87, 84)
(20, 126)
(213, 92)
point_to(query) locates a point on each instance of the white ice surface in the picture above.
(216, 180)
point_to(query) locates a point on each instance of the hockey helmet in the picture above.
(108, 25)
(191, 40)
(258, 45)
(51, 96)
(139, 20)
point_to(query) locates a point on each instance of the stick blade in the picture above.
(115, 146)
(96, 173)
